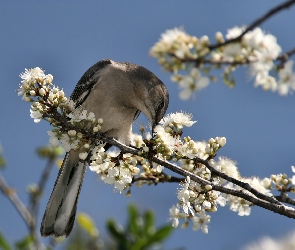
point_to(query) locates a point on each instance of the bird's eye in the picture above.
(160, 106)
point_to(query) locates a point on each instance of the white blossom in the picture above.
(232, 52)
(200, 221)
(257, 184)
(31, 75)
(190, 83)
(286, 81)
(179, 118)
(168, 140)
(170, 36)
(191, 149)
(234, 32)
(227, 166)
(36, 115)
(266, 81)
(174, 212)
(42, 91)
(239, 205)
(72, 132)
(77, 115)
(53, 140)
(67, 143)
(83, 155)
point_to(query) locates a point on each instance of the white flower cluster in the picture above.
(111, 173)
(261, 50)
(178, 51)
(191, 82)
(194, 202)
(73, 139)
(237, 204)
(281, 182)
(36, 87)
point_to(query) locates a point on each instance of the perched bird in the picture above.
(116, 92)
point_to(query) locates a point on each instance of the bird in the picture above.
(117, 92)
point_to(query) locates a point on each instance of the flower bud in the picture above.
(197, 208)
(42, 92)
(285, 181)
(211, 140)
(205, 40)
(95, 129)
(83, 156)
(48, 78)
(51, 97)
(213, 209)
(266, 182)
(61, 94)
(185, 225)
(219, 37)
(72, 132)
(64, 99)
(145, 149)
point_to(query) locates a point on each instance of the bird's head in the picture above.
(149, 96)
(154, 96)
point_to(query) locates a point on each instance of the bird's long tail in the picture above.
(59, 216)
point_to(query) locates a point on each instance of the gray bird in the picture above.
(116, 92)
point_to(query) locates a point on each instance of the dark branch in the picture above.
(241, 184)
(257, 22)
(270, 204)
(156, 180)
(284, 57)
(284, 198)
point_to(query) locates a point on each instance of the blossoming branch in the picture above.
(206, 181)
(192, 60)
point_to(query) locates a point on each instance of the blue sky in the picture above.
(66, 38)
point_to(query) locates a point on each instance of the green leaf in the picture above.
(87, 223)
(160, 235)
(117, 232)
(3, 243)
(133, 223)
(148, 217)
(25, 244)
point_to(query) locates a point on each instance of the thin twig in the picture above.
(28, 218)
(257, 22)
(241, 184)
(284, 198)
(156, 180)
(17, 203)
(34, 202)
(284, 57)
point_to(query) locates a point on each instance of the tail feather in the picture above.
(59, 216)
